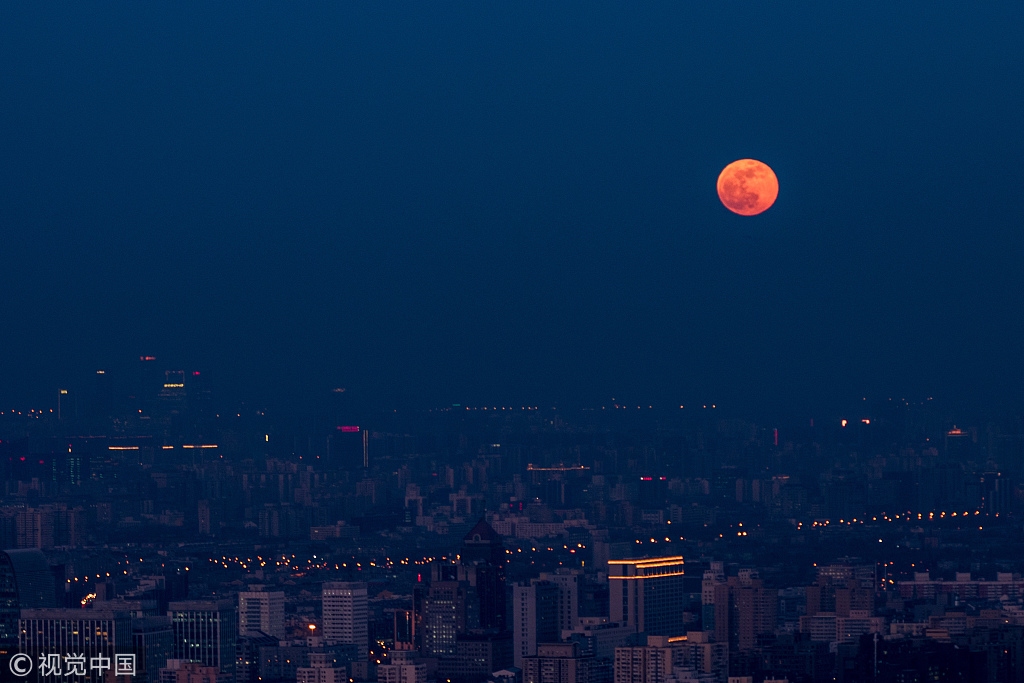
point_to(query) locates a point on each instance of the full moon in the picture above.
(748, 187)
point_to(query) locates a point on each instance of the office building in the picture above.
(445, 615)
(345, 615)
(483, 557)
(89, 633)
(534, 618)
(26, 582)
(205, 631)
(744, 610)
(153, 639)
(261, 611)
(568, 582)
(648, 595)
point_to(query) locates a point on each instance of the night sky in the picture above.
(514, 202)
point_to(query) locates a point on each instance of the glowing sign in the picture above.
(349, 429)
(173, 386)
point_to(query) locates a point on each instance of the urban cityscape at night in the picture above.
(616, 542)
(584, 341)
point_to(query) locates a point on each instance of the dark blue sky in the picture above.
(515, 202)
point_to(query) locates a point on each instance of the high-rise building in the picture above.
(534, 618)
(706, 656)
(345, 615)
(483, 556)
(568, 582)
(648, 594)
(713, 576)
(153, 638)
(651, 663)
(444, 616)
(744, 609)
(205, 631)
(87, 634)
(247, 656)
(26, 582)
(468, 595)
(261, 611)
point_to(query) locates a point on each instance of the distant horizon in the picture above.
(507, 203)
(369, 402)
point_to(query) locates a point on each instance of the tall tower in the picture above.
(534, 617)
(648, 594)
(345, 615)
(483, 557)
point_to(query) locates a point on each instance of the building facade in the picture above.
(205, 631)
(345, 614)
(648, 594)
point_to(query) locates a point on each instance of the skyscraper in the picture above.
(205, 631)
(568, 582)
(26, 582)
(445, 614)
(154, 645)
(483, 557)
(534, 618)
(744, 609)
(85, 633)
(261, 611)
(345, 615)
(648, 594)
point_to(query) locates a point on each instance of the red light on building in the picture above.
(349, 429)
(195, 373)
(147, 357)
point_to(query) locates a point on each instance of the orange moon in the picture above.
(748, 187)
